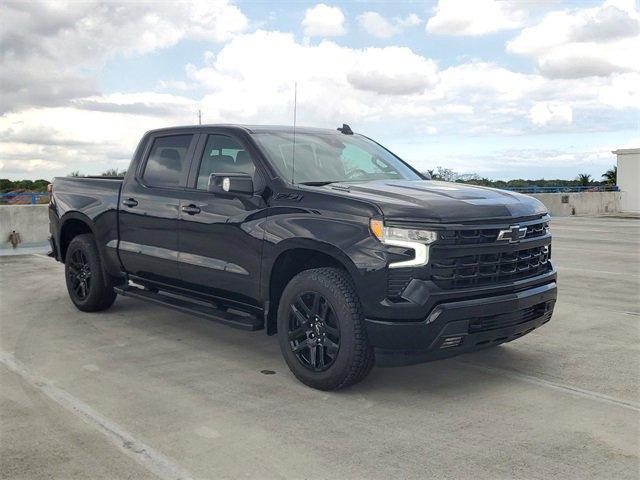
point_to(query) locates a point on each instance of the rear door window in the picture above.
(168, 163)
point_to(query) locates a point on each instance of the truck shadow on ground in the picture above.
(255, 351)
(459, 373)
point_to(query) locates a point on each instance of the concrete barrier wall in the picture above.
(583, 203)
(30, 221)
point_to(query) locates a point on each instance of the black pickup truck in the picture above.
(322, 237)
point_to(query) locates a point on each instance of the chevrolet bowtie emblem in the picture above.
(513, 234)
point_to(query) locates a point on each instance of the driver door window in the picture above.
(223, 154)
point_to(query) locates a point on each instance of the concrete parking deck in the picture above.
(139, 391)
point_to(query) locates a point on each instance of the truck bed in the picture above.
(91, 196)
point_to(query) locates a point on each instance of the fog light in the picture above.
(451, 342)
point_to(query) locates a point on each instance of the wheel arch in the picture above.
(292, 258)
(71, 225)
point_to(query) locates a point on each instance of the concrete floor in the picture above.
(144, 392)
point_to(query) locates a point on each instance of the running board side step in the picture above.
(200, 310)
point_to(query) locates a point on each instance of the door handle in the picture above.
(130, 202)
(191, 209)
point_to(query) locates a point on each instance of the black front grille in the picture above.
(493, 322)
(469, 257)
(487, 268)
(487, 235)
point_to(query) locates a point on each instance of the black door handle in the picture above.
(130, 202)
(190, 209)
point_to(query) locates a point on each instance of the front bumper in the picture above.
(457, 327)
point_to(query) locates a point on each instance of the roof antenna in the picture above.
(295, 110)
(199, 117)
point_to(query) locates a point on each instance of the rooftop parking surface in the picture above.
(140, 391)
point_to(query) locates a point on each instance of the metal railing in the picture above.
(33, 196)
(563, 189)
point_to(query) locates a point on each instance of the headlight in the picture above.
(417, 240)
(422, 236)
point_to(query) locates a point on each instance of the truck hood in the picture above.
(441, 202)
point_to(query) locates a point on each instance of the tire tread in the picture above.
(363, 356)
(104, 295)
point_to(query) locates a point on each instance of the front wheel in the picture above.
(321, 330)
(87, 285)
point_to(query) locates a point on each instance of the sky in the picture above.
(503, 89)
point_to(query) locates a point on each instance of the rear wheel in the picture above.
(321, 330)
(87, 285)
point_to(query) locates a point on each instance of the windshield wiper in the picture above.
(319, 184)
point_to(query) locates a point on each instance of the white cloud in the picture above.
(477, 17)
(253, 75)
(476, 81)
(623, 92)
(585, 42)
(58, 140)
(251, 80)
(411, 20)
(324, 21)
(52, 51)
(404, 72)
(551, 113)
(382, 91)
(179, 85)
(63, 123)
(145, 103)
(378, 26)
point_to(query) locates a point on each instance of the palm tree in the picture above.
(584, 179)
(611, 175)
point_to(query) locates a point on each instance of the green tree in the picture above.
(5, 185)
(584, 179)
(75, 173)
(611, 175)
(40, 185)
(446, 174)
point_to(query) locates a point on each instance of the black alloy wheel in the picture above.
(90, 288)
(79, 272)
(313, 331)
(321, 329)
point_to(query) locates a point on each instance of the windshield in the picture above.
(327, 158)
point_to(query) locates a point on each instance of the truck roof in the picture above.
(251, 128)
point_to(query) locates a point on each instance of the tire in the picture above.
(338, 316)
(87, 284)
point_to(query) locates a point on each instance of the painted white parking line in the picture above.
(142, 453)
(572, 248)
(578, 392)
(597, 272)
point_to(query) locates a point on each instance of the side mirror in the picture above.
(230, 183)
